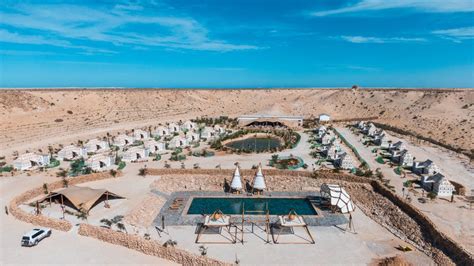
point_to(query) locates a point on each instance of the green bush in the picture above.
(7, 168)
(157, 157)
(407, 183)
(121, 165)
(380, 160)
(431, 195)
(398, 170)
(53, 163)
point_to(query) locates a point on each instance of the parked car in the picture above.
(33, 237)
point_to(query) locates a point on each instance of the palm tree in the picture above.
(121, 227)
(106, 222)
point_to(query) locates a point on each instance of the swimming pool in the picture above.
(276, 206)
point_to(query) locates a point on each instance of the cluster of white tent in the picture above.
(258, 183)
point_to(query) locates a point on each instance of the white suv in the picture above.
(33, 237)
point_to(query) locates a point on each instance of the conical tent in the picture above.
(338, 197)
(259, 180)
(236, 180)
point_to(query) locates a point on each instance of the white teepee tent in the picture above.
(259, 179)
(236, 183)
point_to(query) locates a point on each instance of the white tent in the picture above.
(236, 183)
(259, 179)
(338, 197)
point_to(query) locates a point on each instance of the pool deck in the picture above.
(179, 215)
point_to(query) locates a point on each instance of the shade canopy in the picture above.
(82, 197)
(259, 180)
(338, 197)
(236, 180)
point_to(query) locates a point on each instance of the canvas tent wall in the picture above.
(236, 183)
(337, 197)
(84, 198)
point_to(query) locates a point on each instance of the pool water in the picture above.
(255, 144)
(276, 206)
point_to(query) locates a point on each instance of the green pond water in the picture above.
(254, 144)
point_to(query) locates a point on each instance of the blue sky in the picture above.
(237, 43)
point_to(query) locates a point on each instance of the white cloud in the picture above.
(457, 34)
(65, 24)
(12, 37)
(365, 39)
(434, 6)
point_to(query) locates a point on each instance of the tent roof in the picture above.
(259, 180)
(338, 197)
(81, 197)
(236, 180)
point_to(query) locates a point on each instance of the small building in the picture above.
(361, 125)
(397, 146)
(189, 126)
(135, 154)
(192, 137)
(405, 159)
(381, 140)
(370, 130)
(28, 161)
(123, 140)
(321, 130)
(219, 130)
(97, 146)
(331, 151)
(178, 142)
(326, 138)
(324, 118)
(154, 146)
(162, 131)
(72, 152)
(208, 133)
(344, 161)
(100, 162)
(427, 167)
(139, 134)
(438, 184)
(173, 127)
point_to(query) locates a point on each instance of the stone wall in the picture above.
(149, 247)
(44, 221)
(250, 173)
(173, 180)
(433, 235)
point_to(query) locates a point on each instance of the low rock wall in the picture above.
(250, 173)
(149, 247)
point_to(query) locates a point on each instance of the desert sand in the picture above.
(33, 119)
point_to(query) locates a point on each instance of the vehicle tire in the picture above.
(36, 242)
(49, 234)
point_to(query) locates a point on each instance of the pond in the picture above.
(287, 162)
(276, 206)
(255, 144)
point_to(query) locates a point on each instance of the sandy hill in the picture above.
(36, 118)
